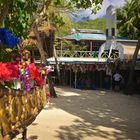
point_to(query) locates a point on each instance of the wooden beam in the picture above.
(90, 46)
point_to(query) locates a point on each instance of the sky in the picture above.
(102, 11)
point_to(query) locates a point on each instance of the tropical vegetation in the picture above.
(97, 24)
(22, 16)
(129, 26)
(128, 18)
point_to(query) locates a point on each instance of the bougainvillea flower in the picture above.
(8, 71)
(34, 74)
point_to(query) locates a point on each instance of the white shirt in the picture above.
(117, 77)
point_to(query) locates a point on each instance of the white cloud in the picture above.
(117, 3)
(102, 11)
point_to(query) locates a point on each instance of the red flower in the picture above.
(8, 71)
(34, 74)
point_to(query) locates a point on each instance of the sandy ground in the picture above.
(88, 115)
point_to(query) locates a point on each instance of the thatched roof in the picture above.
(31, 41)
(43, 30)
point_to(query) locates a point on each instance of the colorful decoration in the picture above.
(8, 71)
(34, 74)
(49, 69)
(26, 78)
(28, 72)
(24, 75)
(16, 77)
(85, 67)
(7, 39)
(46, 70)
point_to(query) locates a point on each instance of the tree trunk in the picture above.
(39, 45)
(49, 76)
(44, 59)
(129, 88)
(57, 65)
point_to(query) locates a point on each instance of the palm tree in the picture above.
(129, 26)
(128, 17)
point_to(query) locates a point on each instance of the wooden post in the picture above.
(64, 77)
(70, 77)
(100, 78)
(75, 83)
(33, 54)
(111, 81)
(1, 136)
(24, 134)
(57, 64)
(61, 47)
(90, 46)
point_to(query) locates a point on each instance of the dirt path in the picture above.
(88, 115)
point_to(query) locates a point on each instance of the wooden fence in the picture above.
(18, 109)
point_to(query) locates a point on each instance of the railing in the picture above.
(67, 53)
(86, 54)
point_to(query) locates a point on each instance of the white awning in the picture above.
(73, 60)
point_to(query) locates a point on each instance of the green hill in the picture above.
(99, 24)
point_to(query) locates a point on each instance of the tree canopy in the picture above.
(129, 19)
(16, 15)
(18, 19)
(129, 26)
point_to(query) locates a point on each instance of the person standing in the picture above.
(117, 79)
